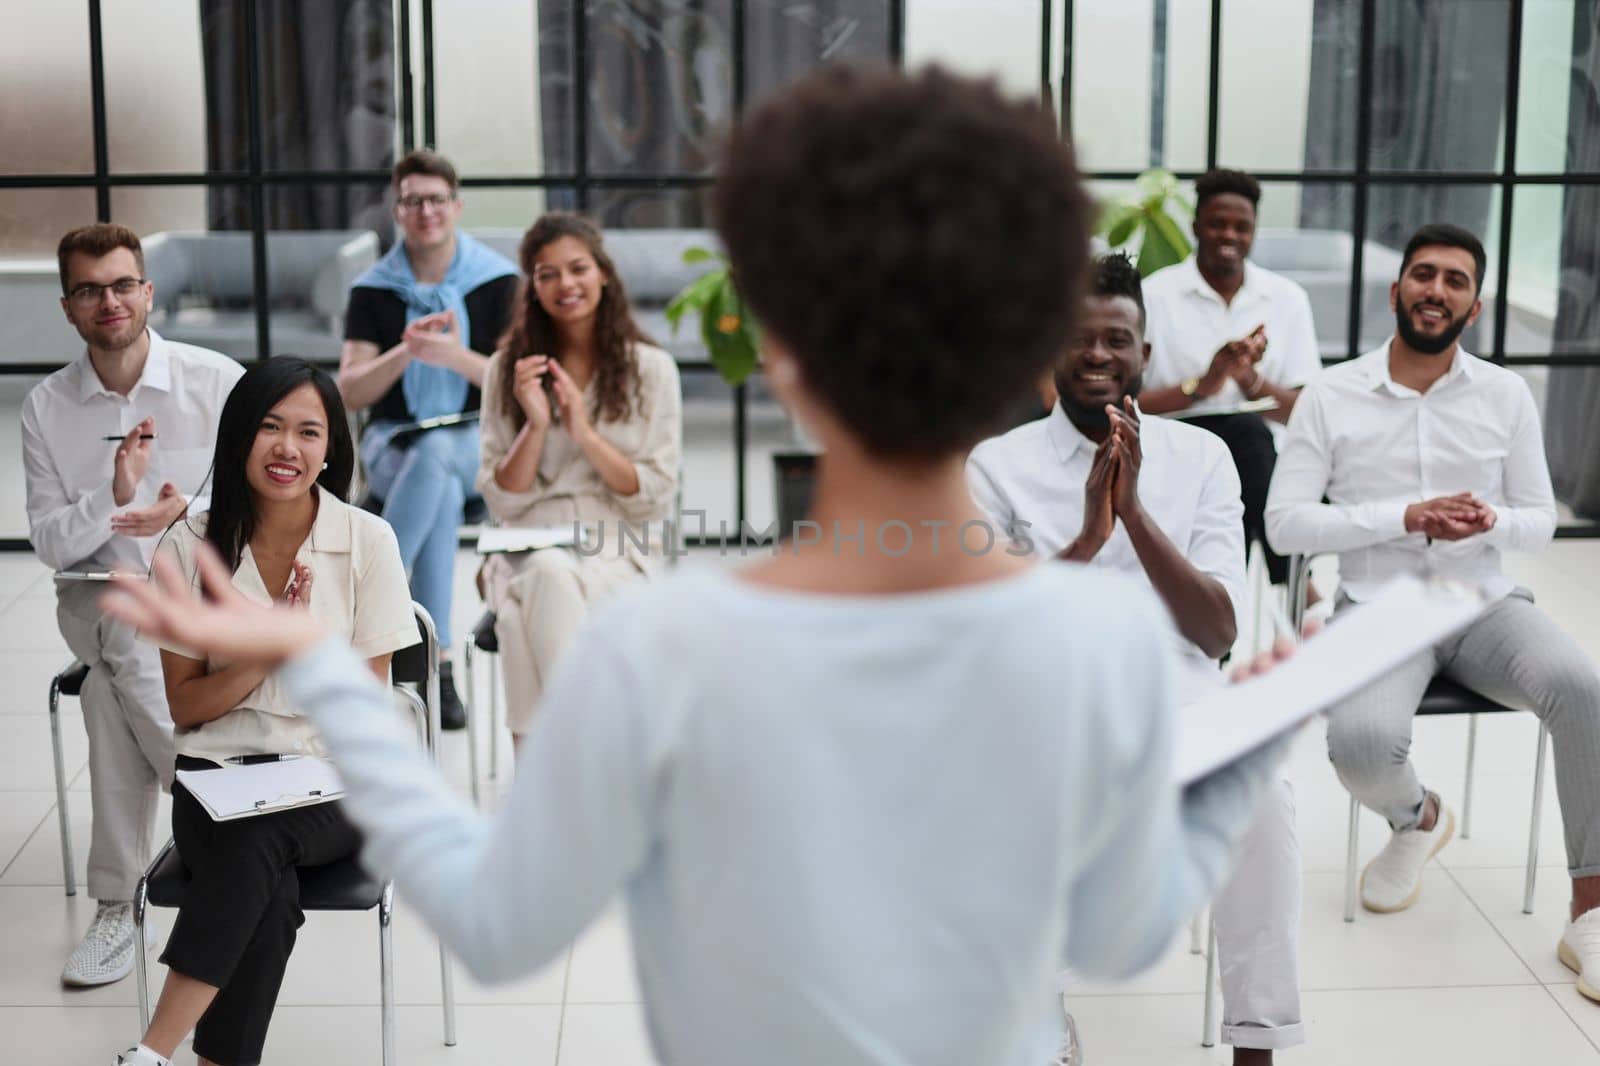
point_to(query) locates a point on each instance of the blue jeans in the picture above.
(424, 488)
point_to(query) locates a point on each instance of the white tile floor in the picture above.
(1464, 978)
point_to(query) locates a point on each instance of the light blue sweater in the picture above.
(849, 830)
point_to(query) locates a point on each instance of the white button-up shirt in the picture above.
(68, 464)
(1031, 480)
(1188, 322)
(1373, 446)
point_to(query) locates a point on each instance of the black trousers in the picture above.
(241, 910)
(1254, 456)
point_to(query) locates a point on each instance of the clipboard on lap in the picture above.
(409, 432)
(232, 792)
(1358, 646)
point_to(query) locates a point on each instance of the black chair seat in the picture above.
(338, 886)
(484, 636)
(69, 682)
(1447, 697)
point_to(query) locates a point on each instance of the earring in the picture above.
(324, 466)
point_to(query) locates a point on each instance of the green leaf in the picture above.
(1158, 249)
(729, 336)
(1122, 232)
(1155, 184)
(699, 255)
(695, 295)
(1172, 233)
(1115, 215)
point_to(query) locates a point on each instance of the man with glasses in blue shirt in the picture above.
(419, 329)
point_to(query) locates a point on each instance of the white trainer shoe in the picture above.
(1392, 881)
(140, 1056)
(1579, 949)
(106, 952)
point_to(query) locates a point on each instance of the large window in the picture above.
(249, 143)
(1365, 119)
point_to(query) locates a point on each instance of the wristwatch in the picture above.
(1189, 386)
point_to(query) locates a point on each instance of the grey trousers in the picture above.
(1513, 654)
(130, 738)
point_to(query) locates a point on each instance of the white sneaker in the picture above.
(106, 952)
(1392, 881)
(140, 1056)
(1580, 950)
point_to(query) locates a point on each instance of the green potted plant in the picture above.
(727, 328)
(1156, 218)
(733, 339)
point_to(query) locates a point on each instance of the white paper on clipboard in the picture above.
(231, 792)
(1359, 646)
(496, 539)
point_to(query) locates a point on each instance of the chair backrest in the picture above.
(419, 665)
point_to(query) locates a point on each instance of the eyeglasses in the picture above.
(438, 201)
(89, 294)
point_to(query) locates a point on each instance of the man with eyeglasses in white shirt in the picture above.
(1095, 483)
(1432, 461)
(115, 446)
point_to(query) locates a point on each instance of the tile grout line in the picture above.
(561, 1020)
(51, 810)
(1548, 990)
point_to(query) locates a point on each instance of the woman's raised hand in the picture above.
(528, 387)
(223, 624)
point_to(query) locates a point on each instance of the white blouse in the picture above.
(358, 590)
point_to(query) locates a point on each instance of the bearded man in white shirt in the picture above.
(114, 446)
(1432, 461)
(1154, 498)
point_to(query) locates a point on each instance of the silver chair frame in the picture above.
(424, 709)
(1299, 575)
(63, 819)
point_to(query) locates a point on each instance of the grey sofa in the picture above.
(1319, 260)
(204, 291)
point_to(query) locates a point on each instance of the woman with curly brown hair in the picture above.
(582, 423)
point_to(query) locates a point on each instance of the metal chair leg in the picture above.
(1350, 861)
(386, 969)
(472, 719)
(140, 965)
(1466, 793)
(67, 876)
(1208, 1023)
(494, 726)
(447, 983)
(1533, 828)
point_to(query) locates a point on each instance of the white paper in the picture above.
(1246, 407)
(496, 539)
(260, 788)
(1360, 645)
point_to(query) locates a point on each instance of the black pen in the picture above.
(142, 436)
(251, 760)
